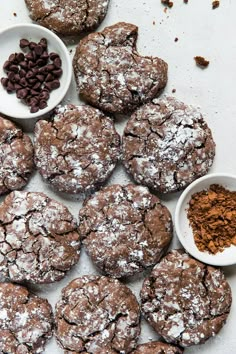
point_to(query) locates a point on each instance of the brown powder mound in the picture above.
(212, 216)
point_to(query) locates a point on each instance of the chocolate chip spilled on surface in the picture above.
(32, 75)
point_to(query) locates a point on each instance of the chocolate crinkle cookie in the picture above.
(110, 73)
(125, 229)
(77, 150)
(167, 145)
(184, 300)
(68, 17)
(97, 315)
(39, 241)
(26, 320)
(157, 348)
(16, 156)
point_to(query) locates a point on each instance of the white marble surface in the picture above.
(200, 31)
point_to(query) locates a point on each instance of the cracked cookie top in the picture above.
(157, 348)
(97, 315)
(167, 145)
(68, 17)
(25, 320)
(16, 156)
(39, 241)
(110, 73)
(124, 229)
(184, 300)
(77, 150)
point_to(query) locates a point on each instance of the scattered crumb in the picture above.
(200, 61)
(70, 50)
(14, 14)
(154, 22)
(176, 39)
(167, 3)
(173, 90)
(185, 1)
(215, 4)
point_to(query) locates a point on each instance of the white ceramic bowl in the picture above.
(183, 229)
(9, 43)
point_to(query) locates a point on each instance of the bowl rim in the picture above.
(201, 256)
(68, 64)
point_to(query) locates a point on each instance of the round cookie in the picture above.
(68, 17)
(184, 300)
(77, 150)
(97, 315)
(39, 241)
(16, 157)
(157, 348)
(110, 73)
(26, 320)
(125, 229)
(167, 145)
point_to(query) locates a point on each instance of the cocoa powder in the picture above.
(212, 216)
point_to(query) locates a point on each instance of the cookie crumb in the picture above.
(173, 90)
(154, 22)
(176, 39)
(200, 61)
(186, 1)
(167, 3)
(14, 14)
(215, 4)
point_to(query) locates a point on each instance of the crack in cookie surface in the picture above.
(39, 241)
(68, 17)
(95, 315)
(157, 348)
(167, 145)
(16, 157)
(184, 300)
(26, 320)
(111, 75)
(77, 150)
(125, 229)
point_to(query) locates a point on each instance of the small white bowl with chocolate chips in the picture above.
(35, 71)
(205, 219)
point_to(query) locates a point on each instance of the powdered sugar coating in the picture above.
(111, 75)
(125, 229)
(184, 300)
(157, 348)
(97, 315)
(16, 157)
(68, 17)
(25, 320)
(167, 145)
(77, 150)
(39, 241)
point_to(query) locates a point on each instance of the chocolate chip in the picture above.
(36, 86)
(44, 95)
(40, 62)
(17, 87)
(10, 86)
(49, 77)
(22, 93)
(11, 75)
(57, 62)
(30, 56)
(40, 77)
(24, 43)
(34, 109)
(45, 55)
(20, 57)
(23, 64)
(22, 73)
(43, 42)
(31, 64)
(49, 67)
(42, 104)
(32, 45)
(55, 84)
(57, 72)
(14, 68)
(12, 57)
(32, 81)
(38, 50)
(53, 56)
(17, 78)
(23, 82)
(29, 75)
(7, 65)
(4, 81)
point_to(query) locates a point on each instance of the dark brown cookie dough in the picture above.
(77, 150)
(25, 320)
(167, 145)
(110, 73)
(157, 348)
(184, 300)
(39, 241)
(16, 157)
(125, 229)
(68, 17)
(97, 315)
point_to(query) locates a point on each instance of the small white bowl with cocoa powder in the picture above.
(35, 71)
(205, 219)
